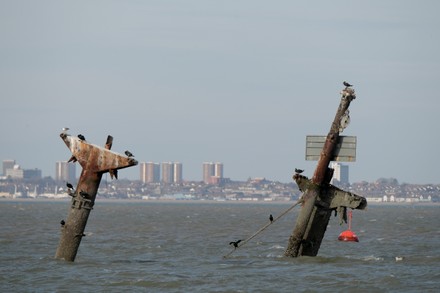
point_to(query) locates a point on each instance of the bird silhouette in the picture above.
(235, 243)
(113, 173)
(299, 171)
(62, 223)
(271, 218)
(128, 154)
(69, 185)
(347, 84)
(81, 137)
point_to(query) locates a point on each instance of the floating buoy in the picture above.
(348, 235)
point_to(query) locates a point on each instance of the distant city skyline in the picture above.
(153, 172)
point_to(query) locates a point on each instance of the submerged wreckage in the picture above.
(95, 161)
(320, 198)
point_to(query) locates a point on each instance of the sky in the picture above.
(240, 82)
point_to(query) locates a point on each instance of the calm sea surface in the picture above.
(179, 247)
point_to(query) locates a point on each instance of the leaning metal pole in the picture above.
(299, 242)
(95, 161)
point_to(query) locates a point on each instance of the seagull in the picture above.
(235, 243)
(81, 137)
(62, 223)
(347, 84)
(69, 185)
(128, 154)
(298, 171)
(65, 129)
(271, 218)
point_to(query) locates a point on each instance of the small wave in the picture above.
(366, 258)
(372, 258)
(274, 255)
(276, 246)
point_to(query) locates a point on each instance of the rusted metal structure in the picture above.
(320, 198)
(95, 161)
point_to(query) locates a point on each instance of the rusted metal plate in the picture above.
(96, 158)
(345, 150)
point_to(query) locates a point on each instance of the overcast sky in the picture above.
(241, 82)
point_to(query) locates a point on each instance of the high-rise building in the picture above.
(208, 171)
(150, 172)
(167, 172)
(8, 164)
(340, 173)
(212, 172)
(218, 170)
(172, 172)
(65, 171)
(177, 172)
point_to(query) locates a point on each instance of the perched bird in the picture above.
(70, 190)
(298, 171)
(62, 223)
(235, 243)
(271, 218)
(113, 173)
(81, 137)
(84, 194)
(65, 129)
(347, 84)
(128, 154)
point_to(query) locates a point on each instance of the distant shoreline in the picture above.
(210, 201)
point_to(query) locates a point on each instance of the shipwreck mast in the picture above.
(319, 197)
(95, 161)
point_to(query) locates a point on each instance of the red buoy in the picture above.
(348, 235)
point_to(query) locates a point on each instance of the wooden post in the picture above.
(95, 161)
(312, 221)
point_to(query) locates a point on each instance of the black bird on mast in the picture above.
(347, 84)
(298, 171)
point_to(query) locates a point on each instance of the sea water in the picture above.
(144, 246)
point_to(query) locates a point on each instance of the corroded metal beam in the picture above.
(95, 161)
